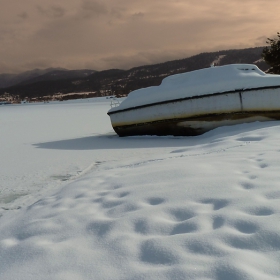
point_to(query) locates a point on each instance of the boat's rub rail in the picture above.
(192, 97)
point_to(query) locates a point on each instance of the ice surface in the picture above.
(200, 82)
(97, 206)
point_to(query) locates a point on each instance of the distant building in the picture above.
(5, 102)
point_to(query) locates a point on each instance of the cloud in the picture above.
(117, 12)
(23, 15)
(40, 63)
(138, 15)
(52, 11)
(92, 9)
(261, 41)
(142, 58)
(7, 68)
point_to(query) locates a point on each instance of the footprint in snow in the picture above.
(99, 228)
(260, 211)
(217, 203)
(247, 185)
(273, 195)
(153, 252)
(155, 200)
(141, 226)
(181, 214)
(122, 194)
(246, 227)
(263, 165)
(184, 227)
(218, 222)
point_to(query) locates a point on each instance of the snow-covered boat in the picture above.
(195, 102)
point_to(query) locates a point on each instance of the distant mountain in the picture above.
(7, 80)
(121, 82)
(58, 74)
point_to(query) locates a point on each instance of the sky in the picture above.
(99, 35)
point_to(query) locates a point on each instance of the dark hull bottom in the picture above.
(194, 126)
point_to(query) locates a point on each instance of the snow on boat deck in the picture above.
(201, 82)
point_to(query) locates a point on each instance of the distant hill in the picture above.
(7, 80)
(121, 82)
(58, 74)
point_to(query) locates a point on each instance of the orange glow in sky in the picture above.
(105, 34)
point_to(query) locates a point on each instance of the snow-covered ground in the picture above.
(78, 202)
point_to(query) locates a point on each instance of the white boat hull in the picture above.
(198, 114)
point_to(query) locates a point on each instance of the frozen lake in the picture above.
(78, 202)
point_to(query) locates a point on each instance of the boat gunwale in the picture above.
(192, 97)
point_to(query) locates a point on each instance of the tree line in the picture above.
(271, 54)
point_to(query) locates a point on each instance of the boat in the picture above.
(195, 102)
